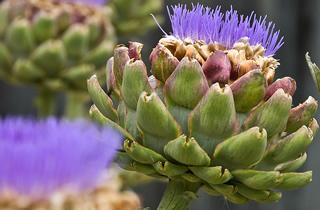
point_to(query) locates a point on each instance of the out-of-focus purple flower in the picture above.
(40, 157)
(88, 2)
(211, 25)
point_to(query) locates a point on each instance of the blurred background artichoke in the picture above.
(56, 45)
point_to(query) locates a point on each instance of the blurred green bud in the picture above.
(44, 27)
(50, 56)
(76, 41)
(19, 37)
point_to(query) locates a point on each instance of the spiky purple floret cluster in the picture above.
(211, 25)
(40, 157)
(88, 2)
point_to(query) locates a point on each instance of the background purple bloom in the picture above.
(211, 25)
(39, 157)
(88, 2)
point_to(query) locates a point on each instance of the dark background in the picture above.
(299, 23)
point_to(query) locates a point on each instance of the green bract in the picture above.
(53, 45)
(239, 138)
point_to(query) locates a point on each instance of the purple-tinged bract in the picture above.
(40, 157)
(211, 25)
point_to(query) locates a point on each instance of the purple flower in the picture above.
(211, 25)
(40, 157)
(88, 2)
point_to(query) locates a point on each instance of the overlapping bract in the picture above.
(238, 136)
(54, 45)
(132, 17)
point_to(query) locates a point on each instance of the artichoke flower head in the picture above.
(54, 44)
(211, 115)
(59, 165)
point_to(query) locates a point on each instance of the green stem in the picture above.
(178, 195)
(45, 103)
(76, 105)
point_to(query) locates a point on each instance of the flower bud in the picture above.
(135, 50)
(140, 153)
(248, 90)
(272, 115)
(121, 57)
(187, 84)
(156, 123)
(169, 169)
(76, 41)
(302, 114)
(187, 151)
(217, 68)
(259, 180)
(101, 99)
(247, 148)
(212, 175)
(135, 81)
(163, 63)
(295, 180)
(287, 84)
(290, 147)
(215, 110)
(50, 56)
(19, 37)
(44, 27)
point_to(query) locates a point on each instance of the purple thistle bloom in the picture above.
(211, 25)
(88, 2)
(40, 157)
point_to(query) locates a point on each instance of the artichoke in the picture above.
(211, 115)
(53, 45)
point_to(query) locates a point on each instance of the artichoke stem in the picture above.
(178, 195)
(75, 105)
(45, 103)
